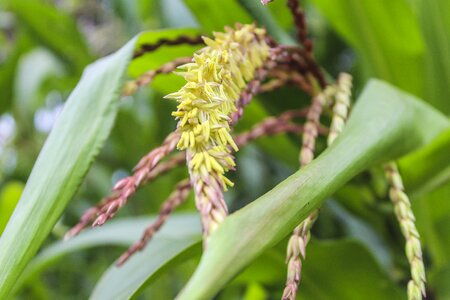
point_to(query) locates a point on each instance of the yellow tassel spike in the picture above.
(214, 81)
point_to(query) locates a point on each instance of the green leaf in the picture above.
(385, 35)
(348, 258)
(433, 218)
(344, 280)
(435, 21)
(428, 168)
(32, 70)
(440, 283)
(124, 232)
(9, 196)
(8, 69)
(75, 140)
(54, 29)
(385, 124)
(177, 241)
(214, 17)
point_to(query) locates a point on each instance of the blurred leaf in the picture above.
(359, 230)
(354, 273)
(9, 196)
(380, 132)
(344, 270)
(176, 242)
(54, 29)
(435, 21)
(440, 283)
(214, 17)
(175, 14)
(268, 268)
(432, 211)
(8, 69)
(32, 71)
(122, 232)
(75, 140)
(385, 35)
(255, 292)
(129, 13)
(429, 167)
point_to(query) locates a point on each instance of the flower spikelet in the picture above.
(406, 219)
(215, 79)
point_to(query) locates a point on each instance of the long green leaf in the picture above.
(435, 21)
(78, 134)
(122, 232)
(385, 124)
(178, 240)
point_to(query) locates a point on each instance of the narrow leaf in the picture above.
(179, 228)
(386, 123)
(75, 140)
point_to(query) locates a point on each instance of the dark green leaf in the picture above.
(54, 29)
(435, 21)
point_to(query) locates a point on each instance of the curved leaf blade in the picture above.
(163, 252)
(386, 123)
(75, 140)
(179, 228)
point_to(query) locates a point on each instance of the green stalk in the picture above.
(384, 125)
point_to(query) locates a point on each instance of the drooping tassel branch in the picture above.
(125, 188)
(180, 40)
(268, 127)
(341, 106)
(177, 197)
(145, 79)
(300, 23)
(406, 219)
(296, 251)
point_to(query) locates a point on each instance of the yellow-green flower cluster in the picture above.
(215, 79)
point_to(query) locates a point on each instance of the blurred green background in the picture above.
(357, 246)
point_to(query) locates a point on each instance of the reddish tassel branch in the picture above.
(221, 79)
